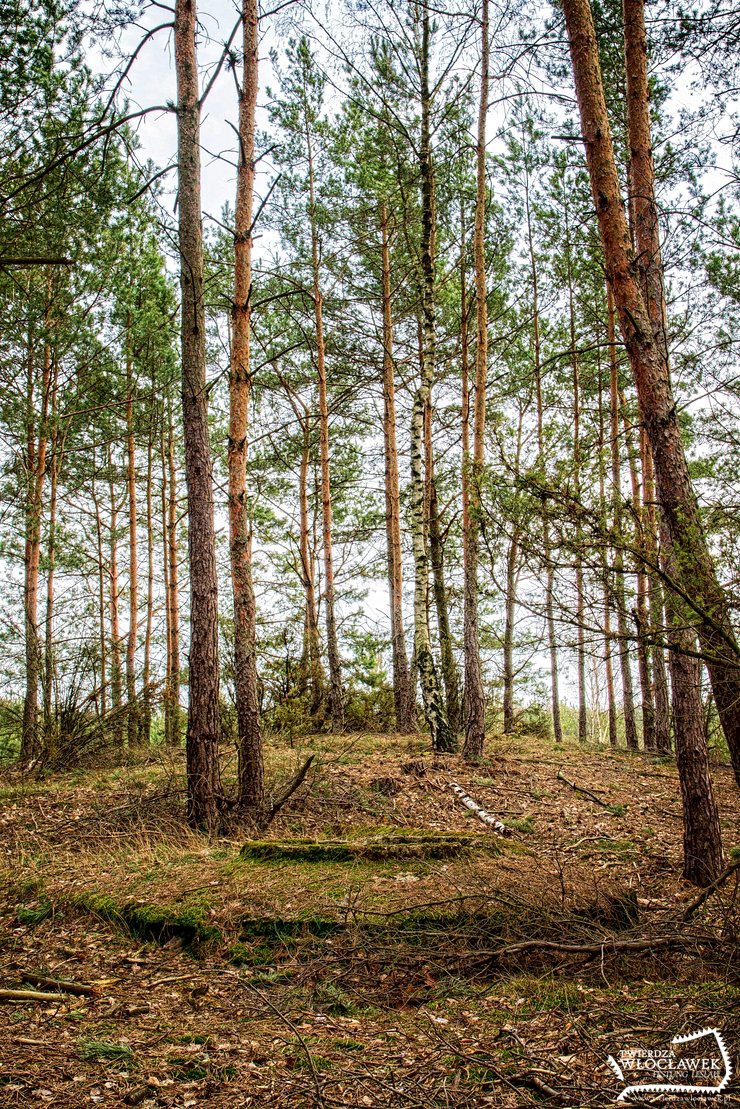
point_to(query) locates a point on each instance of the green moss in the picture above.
(32, 915)
(377, 848)
(161, 923)
(524, 824)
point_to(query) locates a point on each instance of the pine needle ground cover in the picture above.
(376, 947)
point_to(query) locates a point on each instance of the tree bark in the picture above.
(133, 564)
(146, 718)
(402, 697)
(36, 445)
(655, 605)
(628, 701)
(694, 569)
(702, 831)
(203, 709)
(311, 666)
(102, 625)
(475, 724)
(54, 463)
(442, 737)
(580, 595)
(251, 769)
(450, 677)
(439, 731)
(641, 612)
(611, 706)
(512, 565)
(116, 674)
(552, 641)
(336, 691)
(173, 594)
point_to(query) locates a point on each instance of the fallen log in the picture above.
(479, 811)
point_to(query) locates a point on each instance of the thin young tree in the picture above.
(474, 701)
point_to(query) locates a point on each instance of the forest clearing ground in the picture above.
(353, 981)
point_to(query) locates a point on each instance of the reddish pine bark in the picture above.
(251, 764)
(694, 570)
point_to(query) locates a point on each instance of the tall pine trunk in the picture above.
(611, 706)
(552, 642)
(51, 554)
(133, 564)
(695, 573)
(402, 694)
(702, 831)
(36, 445)
(336, 691)
(628, 700)
(474, 699)
(173, 593)
(146, 717)
(579, 537)
(655, 597)
(116, 673)
(641, 613)
(203, 708)
(102, 624)
(251, 764)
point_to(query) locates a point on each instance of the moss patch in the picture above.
(189, 923)
(376, 849)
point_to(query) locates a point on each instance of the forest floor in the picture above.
(379, 968)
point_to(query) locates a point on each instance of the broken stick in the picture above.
(31, 995)
(64, 985)
(582, 789)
